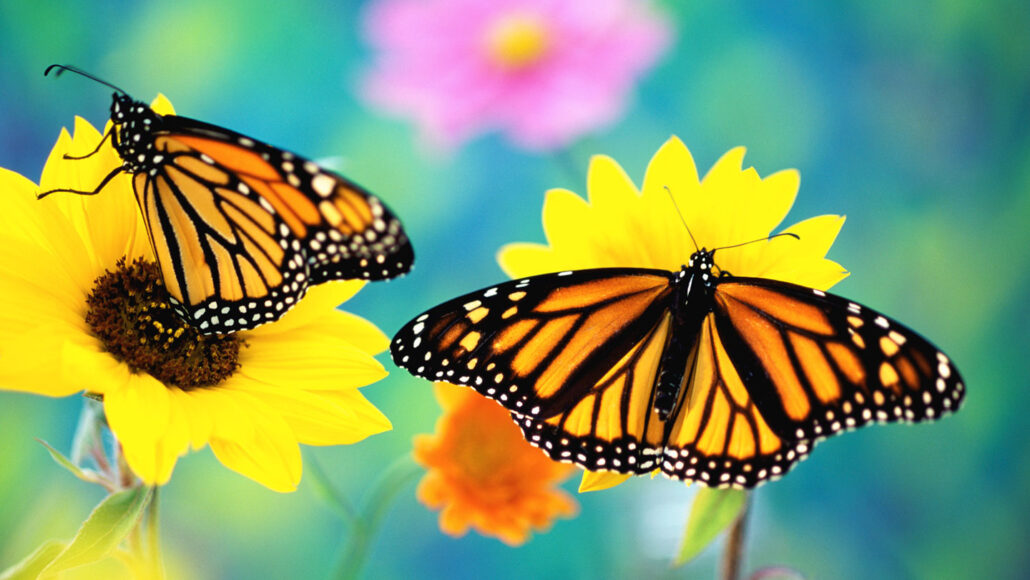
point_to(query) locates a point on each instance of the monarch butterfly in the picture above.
(241, 229)
(724, 380)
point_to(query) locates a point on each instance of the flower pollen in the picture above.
(129, 311)
(517, 41)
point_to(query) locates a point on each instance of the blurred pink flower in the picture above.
(542, 71)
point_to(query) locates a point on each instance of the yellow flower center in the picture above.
(128, 310)
(517, 41)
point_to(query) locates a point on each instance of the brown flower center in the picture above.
(129, 312)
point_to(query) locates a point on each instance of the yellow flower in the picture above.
(623, 226)
(484, 474)
(84, 311)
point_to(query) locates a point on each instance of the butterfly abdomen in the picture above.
(691, 302)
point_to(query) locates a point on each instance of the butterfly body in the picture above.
(690, 303)
(135, 125)
(725, 380)
(242, 229)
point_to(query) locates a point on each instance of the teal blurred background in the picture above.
(911, 118)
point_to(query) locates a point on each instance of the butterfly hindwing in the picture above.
(717, 434)
(612, 427)
(536, 345)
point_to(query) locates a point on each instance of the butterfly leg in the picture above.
(103, 183)
(94, 151)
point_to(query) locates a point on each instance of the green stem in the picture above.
(154, 563)
(88, 439)
(331, 495)
(125, 477)
(731, 557)
(395, 478)
(134, 543)
(574, 161)
(570, 166)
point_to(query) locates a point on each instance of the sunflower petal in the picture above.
(30, 359)
(672, 169)
(802, 261)
(85, 364)
(322, 418)
(256, 442)
(601, 480)
(149, 429)
(564, 213)
(312, 361)
(340, 325)
(522, 259)
(608, 185)
(313, 307)
(200, 422)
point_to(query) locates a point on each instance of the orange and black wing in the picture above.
(613, 426)
(241, 229)
(573, 355)
(778, 367)
(717, 434)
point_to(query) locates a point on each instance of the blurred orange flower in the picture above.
(483, 474)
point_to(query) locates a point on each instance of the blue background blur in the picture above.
(909, 117)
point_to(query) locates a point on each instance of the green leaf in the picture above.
(67, 463)
(34, 563)
(104, 529)
(713, 511)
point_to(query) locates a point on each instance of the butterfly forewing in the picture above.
(537, 345)
(819, 363)
(242, 229)
(347, 231)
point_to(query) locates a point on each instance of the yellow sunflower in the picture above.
(483, 474)
(85, 310)
(621, 225)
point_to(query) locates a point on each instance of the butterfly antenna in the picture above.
(765, 239)
(682, 220)
(64, 67)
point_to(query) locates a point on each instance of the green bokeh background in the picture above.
(911, 118)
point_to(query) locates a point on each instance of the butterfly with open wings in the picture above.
(728, 381)
(240, 228)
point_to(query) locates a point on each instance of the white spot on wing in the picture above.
(322, 184)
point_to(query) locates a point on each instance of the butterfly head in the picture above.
(700, 265)
(120, 107)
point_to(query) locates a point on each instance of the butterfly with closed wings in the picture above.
(728, 381)
(240, 228)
